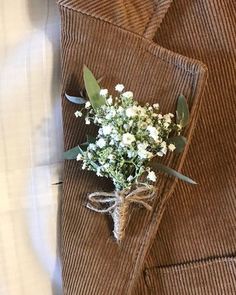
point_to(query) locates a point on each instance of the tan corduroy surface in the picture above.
(108, 40)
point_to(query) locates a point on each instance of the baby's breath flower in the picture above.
(156, 106)
(109, 100)
(128, 138)
(78, 114)
(79, 157)
(171, 147)
(87, 104)
(103, 92)
(87, 121)
(127, 94)
(101, 143)
(106, 129)
(119, 87)
(92, 147)
(130, 178)
(130, 112)
(153, 132)
(152, 176)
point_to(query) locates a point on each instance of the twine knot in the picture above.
(117, 204)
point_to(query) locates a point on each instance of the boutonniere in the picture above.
(130, 141)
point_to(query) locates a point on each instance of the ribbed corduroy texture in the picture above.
(212, 277)
(210, 207)
(92, 262)
(132, 15)
(200, 222)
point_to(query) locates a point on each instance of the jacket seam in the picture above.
(192, 264)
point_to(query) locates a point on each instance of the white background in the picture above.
(30, 147)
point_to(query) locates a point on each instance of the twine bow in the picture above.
(117, 204)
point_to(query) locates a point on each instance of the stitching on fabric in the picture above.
(199, 64)
(192, 265)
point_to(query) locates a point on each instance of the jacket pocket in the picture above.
(212, 276)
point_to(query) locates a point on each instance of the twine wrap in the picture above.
(117, 203)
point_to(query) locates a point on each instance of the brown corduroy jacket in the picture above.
(158, 49)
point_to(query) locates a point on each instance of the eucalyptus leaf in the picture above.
(171, 172)
(182, 111)
(93, 89)
(73, 153)
(179, 142)
(75, 99)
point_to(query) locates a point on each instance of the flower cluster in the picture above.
(129, 136)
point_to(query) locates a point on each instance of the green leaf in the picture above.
(75, 99)
(73, 153)
(90, 139)
(179, 142)
(93, 89)
(171, 172)
(182, 111)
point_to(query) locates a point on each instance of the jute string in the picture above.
(117, 203)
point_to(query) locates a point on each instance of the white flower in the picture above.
(79, 157)
(166, 124)
(87, 104)
(164, 147)
(106, 129)
(128, 138)
(110, 157)
(160, 154)
(120, 110)
(83, 166)
(101, 143)
(156, 106)
(142, 152)
(126, 126)
(111, 114)
(92, 147)
(130, 154)
(130, 178)
(171, 147)
(109, 100)
(78, 114)
(105, 166)
(119, 87)
(153, 132)
(152, 176)
(130, 112)
(103, 92)
(141, 110)
(87, 121)
(128, 94)
(99, 171)
(167, 118)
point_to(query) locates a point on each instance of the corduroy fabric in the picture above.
(190, 231)
(214, 277)
(132, 15)
(209, 207)
(92, 262)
